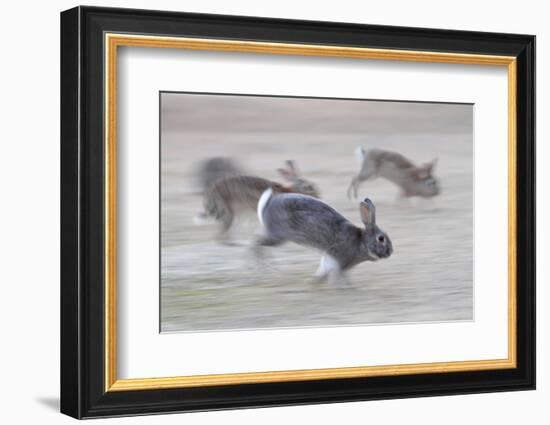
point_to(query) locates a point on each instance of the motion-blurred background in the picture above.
(209, 286)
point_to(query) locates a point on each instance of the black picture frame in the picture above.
(83, 392)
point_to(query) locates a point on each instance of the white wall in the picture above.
(29, 225)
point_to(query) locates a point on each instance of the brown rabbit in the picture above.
(412, 179)
(234, 194)
(213, 169)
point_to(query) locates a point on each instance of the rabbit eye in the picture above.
(380, 238)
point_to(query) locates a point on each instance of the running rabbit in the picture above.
(413, 180)
(234, 194)
(216, 168)
(310, 222)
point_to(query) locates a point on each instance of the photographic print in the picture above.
(281, 212)
(370, 186)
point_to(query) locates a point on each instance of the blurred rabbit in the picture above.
(241, 193)
(216, 168)
(310, 222)
(413, 180)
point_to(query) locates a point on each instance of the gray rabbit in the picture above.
(412, 179)
(308, 221)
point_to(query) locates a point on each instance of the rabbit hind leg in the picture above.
(352, 189)
(368, 171)
(226, 221)
(262, 242)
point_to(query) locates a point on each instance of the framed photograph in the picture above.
(261, 212)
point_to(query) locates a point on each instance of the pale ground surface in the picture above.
(208, 286)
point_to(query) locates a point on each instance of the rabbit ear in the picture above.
(367, 211)
(291, 166)
(286, 174)
(419, 173)
(429, 166)
(291, 172)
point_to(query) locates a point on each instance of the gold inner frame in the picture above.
(113, 41)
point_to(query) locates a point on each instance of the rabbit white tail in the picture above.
(360, 153)
(262, 202)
